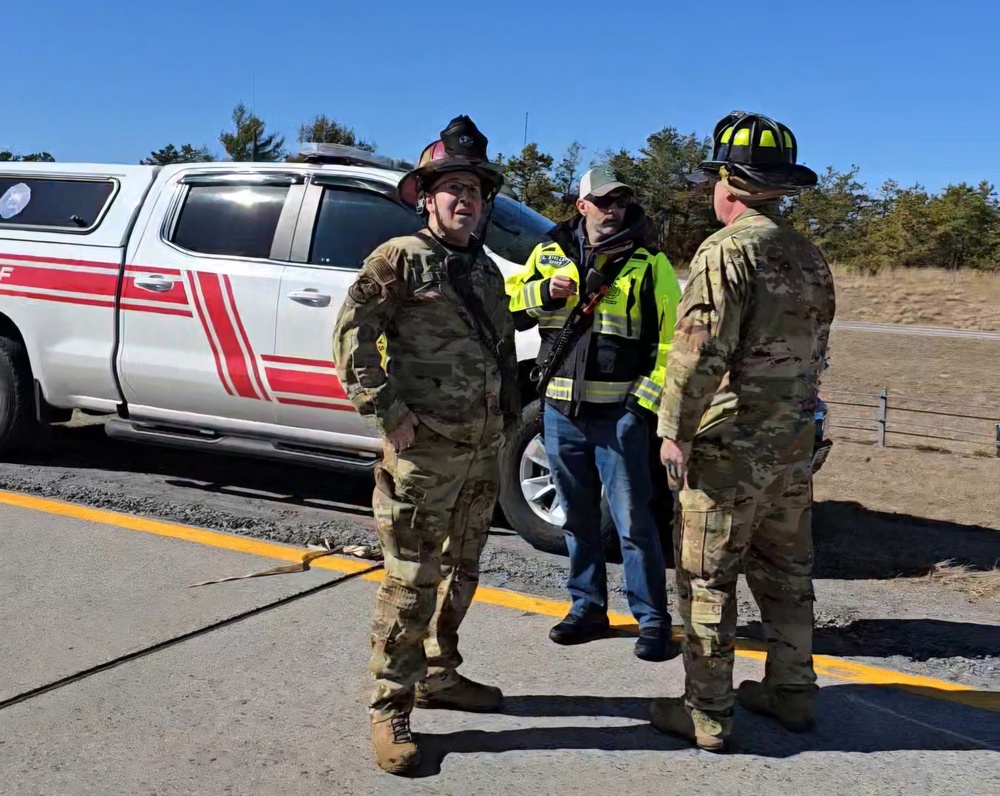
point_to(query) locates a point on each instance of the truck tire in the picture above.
(527, 496)
(18, 427)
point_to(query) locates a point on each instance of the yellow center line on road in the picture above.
(826, 665)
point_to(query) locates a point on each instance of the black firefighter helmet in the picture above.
(757, 149)
(461, 147)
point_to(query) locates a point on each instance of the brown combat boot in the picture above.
(794, 710)
(463, 694)
(674, 717)
(395, 749)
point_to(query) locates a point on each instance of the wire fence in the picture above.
(904, 421)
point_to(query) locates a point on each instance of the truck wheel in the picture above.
(528, 497)
(18, 427)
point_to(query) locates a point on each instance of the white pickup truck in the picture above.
(194, 305)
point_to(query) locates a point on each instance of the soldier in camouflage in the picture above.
(736, 418)
(440, 399)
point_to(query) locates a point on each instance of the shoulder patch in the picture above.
(363, 290)
(553, 259)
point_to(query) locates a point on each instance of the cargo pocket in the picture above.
(707, 531)
(395, 520)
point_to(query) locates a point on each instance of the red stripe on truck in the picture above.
(55, 279)
(23, 293)
(20, 274)
(208, 331)
(176, 294)
(316, 404)
(301, 382)
(17, 292)
(233, 357)
(34, 258)
(244, 337)
(181, 313)
(309, 363)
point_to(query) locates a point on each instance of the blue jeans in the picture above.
(612, 449)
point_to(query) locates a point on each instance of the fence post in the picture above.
(883, 412)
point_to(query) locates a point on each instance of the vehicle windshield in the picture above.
(516, 230)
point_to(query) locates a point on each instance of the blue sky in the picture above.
(904, 90)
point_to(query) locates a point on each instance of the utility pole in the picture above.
(524, 146)
(253, 113)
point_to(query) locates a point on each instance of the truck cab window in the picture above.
(516, 230)
(351, 224)
(232, 220)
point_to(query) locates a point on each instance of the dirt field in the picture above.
(947, 375)
(896, 513)
(899, 506)
(938, 488)
(944, 369)
(960, 300)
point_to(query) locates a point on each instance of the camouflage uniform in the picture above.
(742, 379)
(433, 501)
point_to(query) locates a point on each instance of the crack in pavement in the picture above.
(83, 674)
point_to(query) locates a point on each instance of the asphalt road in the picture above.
(923, 331)
(863, 611)
(275, 702)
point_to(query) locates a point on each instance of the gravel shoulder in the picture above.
(870, 604)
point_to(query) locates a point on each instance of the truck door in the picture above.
(210, 259)
(343, 220)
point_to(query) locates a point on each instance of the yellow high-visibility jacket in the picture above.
(623, 356)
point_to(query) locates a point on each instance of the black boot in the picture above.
(655, 644)
(575, 629)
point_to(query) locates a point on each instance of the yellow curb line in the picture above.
(826, 665)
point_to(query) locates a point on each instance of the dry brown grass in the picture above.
(954, 376)
(924, 297)
(942, 369)
(924, 517)
(977, 584)
(932, 486)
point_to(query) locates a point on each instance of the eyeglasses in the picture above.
(457, 188)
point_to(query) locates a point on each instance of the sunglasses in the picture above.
(611, 200)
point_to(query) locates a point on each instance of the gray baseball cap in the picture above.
(600, 181)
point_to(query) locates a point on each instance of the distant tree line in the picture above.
(858, 228)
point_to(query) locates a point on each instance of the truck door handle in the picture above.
(154, 282)
(310, 296)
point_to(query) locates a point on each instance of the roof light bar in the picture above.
(349, 156)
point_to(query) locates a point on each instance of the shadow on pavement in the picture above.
(852, 718)
(89, 448)
(916, 639)
(852, 542)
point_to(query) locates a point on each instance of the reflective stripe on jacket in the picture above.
(623, 356)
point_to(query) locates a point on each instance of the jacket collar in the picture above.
(632, 235)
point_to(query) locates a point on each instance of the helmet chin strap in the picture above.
(437, 228)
